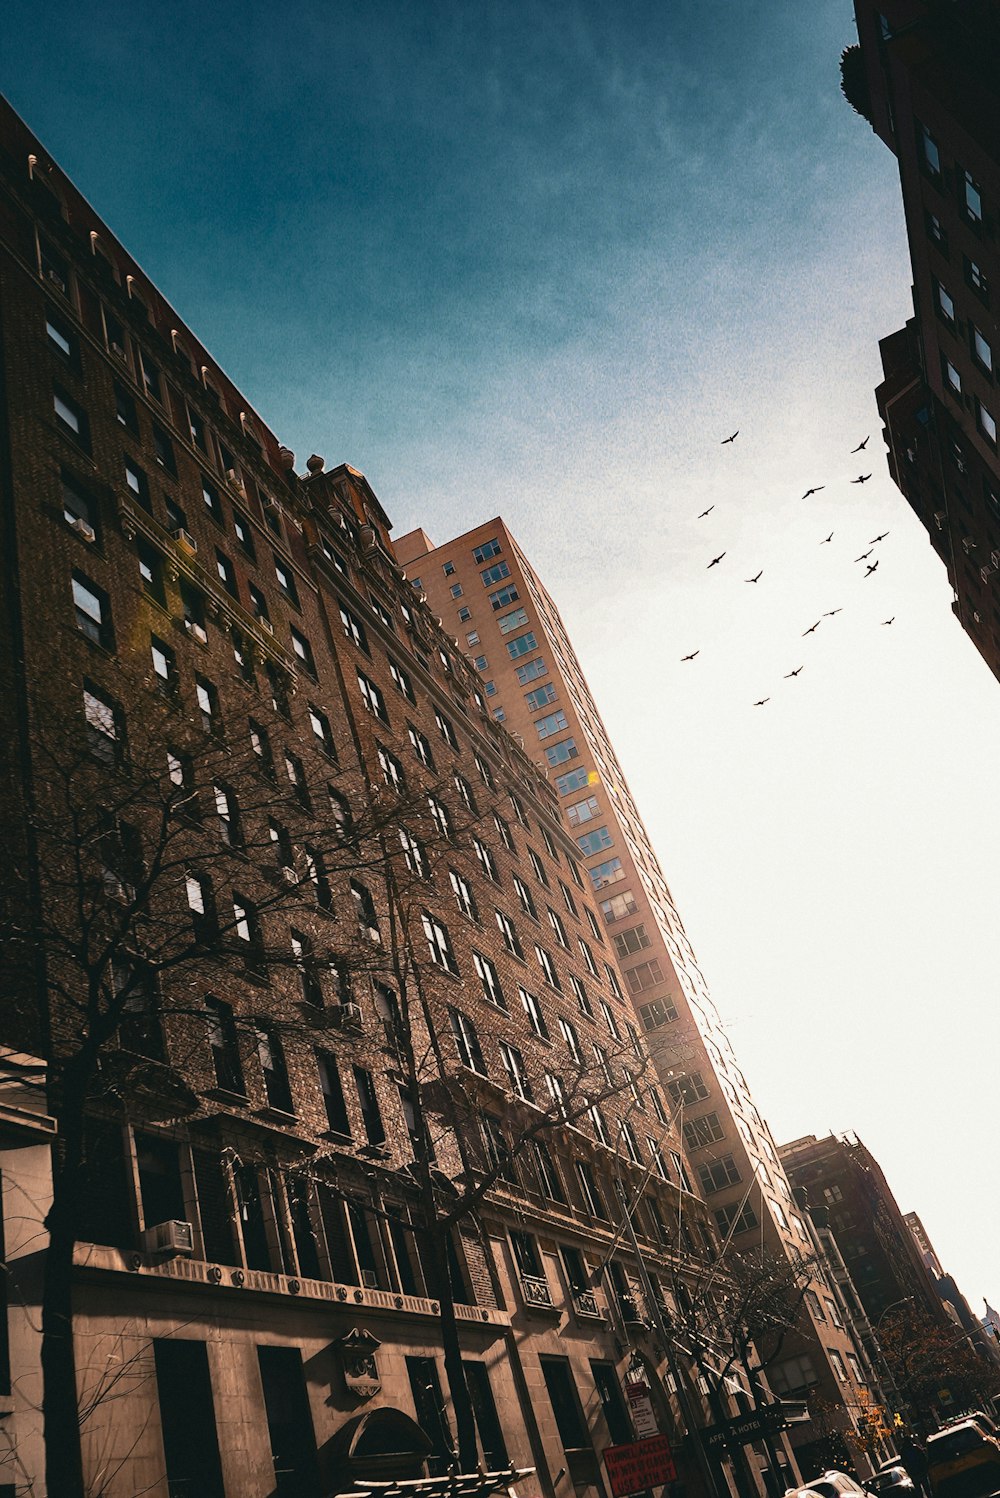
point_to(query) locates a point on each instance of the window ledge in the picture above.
(223, 1095)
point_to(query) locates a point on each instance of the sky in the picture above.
(538, 260)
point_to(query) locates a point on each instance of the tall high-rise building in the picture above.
(926, 77)
(490, 598)
(310, 1038)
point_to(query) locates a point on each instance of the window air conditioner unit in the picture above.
(288, 874)
(995, 558)
(369, 1279)
(985, 573)
(83, 529)
(194, 628)
(169, 1239)
(185, 541)
(119, 352)
(968, 544)
(348, 1014)
(940, 516)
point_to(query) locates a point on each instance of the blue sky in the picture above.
(537, 260)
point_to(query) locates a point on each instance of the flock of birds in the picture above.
(870, 569)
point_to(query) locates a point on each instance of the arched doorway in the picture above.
(383, 1445)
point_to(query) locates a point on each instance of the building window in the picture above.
(613, 983)
(322, 732)
(93, 611)
(582, 997)
(517, 1075)
(227, 816)
(533, 1010)
(618, 907)
(164, 451)
(413, 854)
(594, 842)
(392, 770)
(521, 645)
(531, 671)
(488, 549)
(304, 958)
(464, 614)
(658, 1012)
(421, 746)
(105, 725)
(465, 793)
(976, 279)
(223, 1041)
(551, 724)
(303, 651)
(568, 1032)
(337, 1119)
(698, 1132)
(792, 1375)
(463, 895)
(592, 1197)
(525, 897)
(467, 1041)
(80, 512)
(244, 533)
(986, 423)
(689, 1089)
(503, 596)
(981, 350)
(952, 378)
(490, 979)
(716, 1175)
(364, 907)
(248, 930)
(439, 944)
(440, 817)
(71, 418)
(944, 303)
(261, 746)
(582, 811)
(456, 590)
(930, 154)
(487, 861)
(735, 1219)
(208, 705)
(494, 574)
(555, 921)
(644, 975)
(372, 698)
(630, 941)
(972, 199)
(559, 753)
(297, 780)
(371, 1113)
(548, 967)
(446, 730)
(272, 1064)
(511, 940)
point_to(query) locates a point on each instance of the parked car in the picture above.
(891, 1479)
(832, 1484)
(963, 1460)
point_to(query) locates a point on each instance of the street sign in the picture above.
(639, 1465)
(745, 1429)
(640, 1407)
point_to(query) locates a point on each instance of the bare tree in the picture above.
(163, 865)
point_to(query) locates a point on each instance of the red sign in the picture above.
(640, 1465)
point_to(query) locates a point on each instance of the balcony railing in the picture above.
(585, 1303)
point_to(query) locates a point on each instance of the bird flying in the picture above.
(870, 568)
(756, 579)
(876, 539)
(888, 621)
(830, 613)
(715, 560)
(861, 445)
(812, 628)
(691, 656)
(813, 491)
(863, 557)
(706, 512)
(826, 539)
(793, 673)
(862, 478)
(730, 439)
(762, 701)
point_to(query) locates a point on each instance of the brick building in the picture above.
(305, 947)
(925, 77)
(490, 598)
